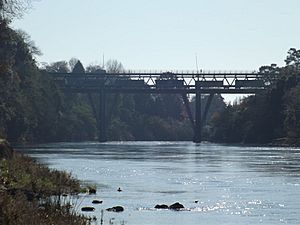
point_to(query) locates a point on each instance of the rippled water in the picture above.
(232, 184)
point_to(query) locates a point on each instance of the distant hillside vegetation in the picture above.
(269, 117)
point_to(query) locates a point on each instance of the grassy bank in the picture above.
(30, 193)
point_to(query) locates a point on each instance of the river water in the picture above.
(217, 184)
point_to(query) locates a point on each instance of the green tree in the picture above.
(293, 58)
(292, 113)
(266, 117)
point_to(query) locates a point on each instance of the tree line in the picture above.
(32, 108)
(272, 116)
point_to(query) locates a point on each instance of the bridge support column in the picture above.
(188, 110)
(94, 108)
(197, 135)
(207, 105)
(102, 122)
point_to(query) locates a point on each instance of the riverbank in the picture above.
(217, 183)
(286, 142)
(30, 193)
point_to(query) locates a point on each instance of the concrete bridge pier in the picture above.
(188, 109)
(102, 120)
(198, 122)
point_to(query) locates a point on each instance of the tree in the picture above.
(72, 63)
(293, 58)
(269, 116)
(58, 67)
(33, 49)
(95, 69)
(78, 68)
(113, 66)
(292, 113)
(10, 9)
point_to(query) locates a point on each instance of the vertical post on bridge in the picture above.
(198, 135)
(102, 122)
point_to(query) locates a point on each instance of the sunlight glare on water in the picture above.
(217, 184)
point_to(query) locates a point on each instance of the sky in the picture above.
(165, 34)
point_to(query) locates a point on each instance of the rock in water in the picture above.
(176, 206)
(163, 206)
(116, 209)
(6, 151)
(87, 209)
(92, 191)
(97, 202)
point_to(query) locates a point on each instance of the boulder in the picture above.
(115, 209)
(176, 206)
(92, 190)
(163, 206)
(6, 151)
(97, 201)
(87, 209)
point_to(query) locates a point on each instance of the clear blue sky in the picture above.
(166, 34)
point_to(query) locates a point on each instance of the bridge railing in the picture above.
(157, 80)
(200, 71)
(169, 74)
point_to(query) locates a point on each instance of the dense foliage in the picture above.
(270, 117)
(32, 108)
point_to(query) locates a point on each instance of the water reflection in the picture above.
(262, 159)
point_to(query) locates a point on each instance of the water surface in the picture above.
(218, 184)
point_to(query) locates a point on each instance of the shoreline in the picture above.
(280, 142)
(30, 191)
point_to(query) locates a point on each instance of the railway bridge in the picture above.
(172, 82)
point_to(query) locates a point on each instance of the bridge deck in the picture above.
(166, 82)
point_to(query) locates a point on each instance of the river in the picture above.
(217, 184)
